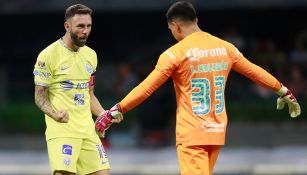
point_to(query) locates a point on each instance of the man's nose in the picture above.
(86, 30)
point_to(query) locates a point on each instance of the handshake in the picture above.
(106, 118)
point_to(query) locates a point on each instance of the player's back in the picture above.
(203, 64)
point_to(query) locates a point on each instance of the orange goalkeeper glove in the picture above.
(286, 97)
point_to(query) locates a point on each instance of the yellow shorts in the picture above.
(197, 160)
(77, 155)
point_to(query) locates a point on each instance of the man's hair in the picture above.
(181, 10)
(77, 9)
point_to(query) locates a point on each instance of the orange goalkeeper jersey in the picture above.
(199, 66)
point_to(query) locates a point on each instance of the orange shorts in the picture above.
(197, 160)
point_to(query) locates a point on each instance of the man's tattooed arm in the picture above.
(41, 100)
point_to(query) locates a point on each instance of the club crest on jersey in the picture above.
(89, 69)
(66, 161)
(67, 149)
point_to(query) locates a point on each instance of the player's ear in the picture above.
(174, 26)
(66, 26)
(177, 27)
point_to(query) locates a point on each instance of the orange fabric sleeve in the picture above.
(140, 93)
(256, 73)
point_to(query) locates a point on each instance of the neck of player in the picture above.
(68, 42)
(191, 29)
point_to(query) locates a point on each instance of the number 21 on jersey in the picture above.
(200, 95)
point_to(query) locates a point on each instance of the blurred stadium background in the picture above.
(128, 37)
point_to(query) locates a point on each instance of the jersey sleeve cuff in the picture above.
(282, 91)
(41, 84)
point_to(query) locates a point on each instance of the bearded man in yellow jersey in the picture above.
(64, 91)
(199, 65)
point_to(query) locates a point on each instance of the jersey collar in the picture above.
(68, 48)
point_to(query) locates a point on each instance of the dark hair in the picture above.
(77, 9)
(181, 10)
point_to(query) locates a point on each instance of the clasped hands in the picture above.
(106, 118)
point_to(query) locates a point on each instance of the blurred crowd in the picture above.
(288, 66)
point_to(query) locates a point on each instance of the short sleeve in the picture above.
(94, 62)
(42, 70)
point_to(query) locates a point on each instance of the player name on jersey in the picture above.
(201, 68)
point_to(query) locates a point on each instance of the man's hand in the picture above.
(106, 118)
(61, 116)
(286, 97)
(116, 114)
(103, 122)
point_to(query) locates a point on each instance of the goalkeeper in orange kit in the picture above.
(199, 65)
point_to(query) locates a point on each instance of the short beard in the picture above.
(75, 40)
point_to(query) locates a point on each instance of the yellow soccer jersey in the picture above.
(66, 74)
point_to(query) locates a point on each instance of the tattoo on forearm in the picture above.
(96, 107)
(41, 100)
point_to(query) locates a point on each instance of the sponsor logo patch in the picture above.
(195, 54)
(79, 99)
(212, 126)
(82, 85)
(66, 85)
(67, 149)
(42, 74)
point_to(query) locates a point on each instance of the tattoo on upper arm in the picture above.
(40, 96)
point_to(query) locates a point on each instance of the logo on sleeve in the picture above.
(35, 72)
(41, 64)
(67, 149)
(170, 54)
(42, 74)
(89, 69)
